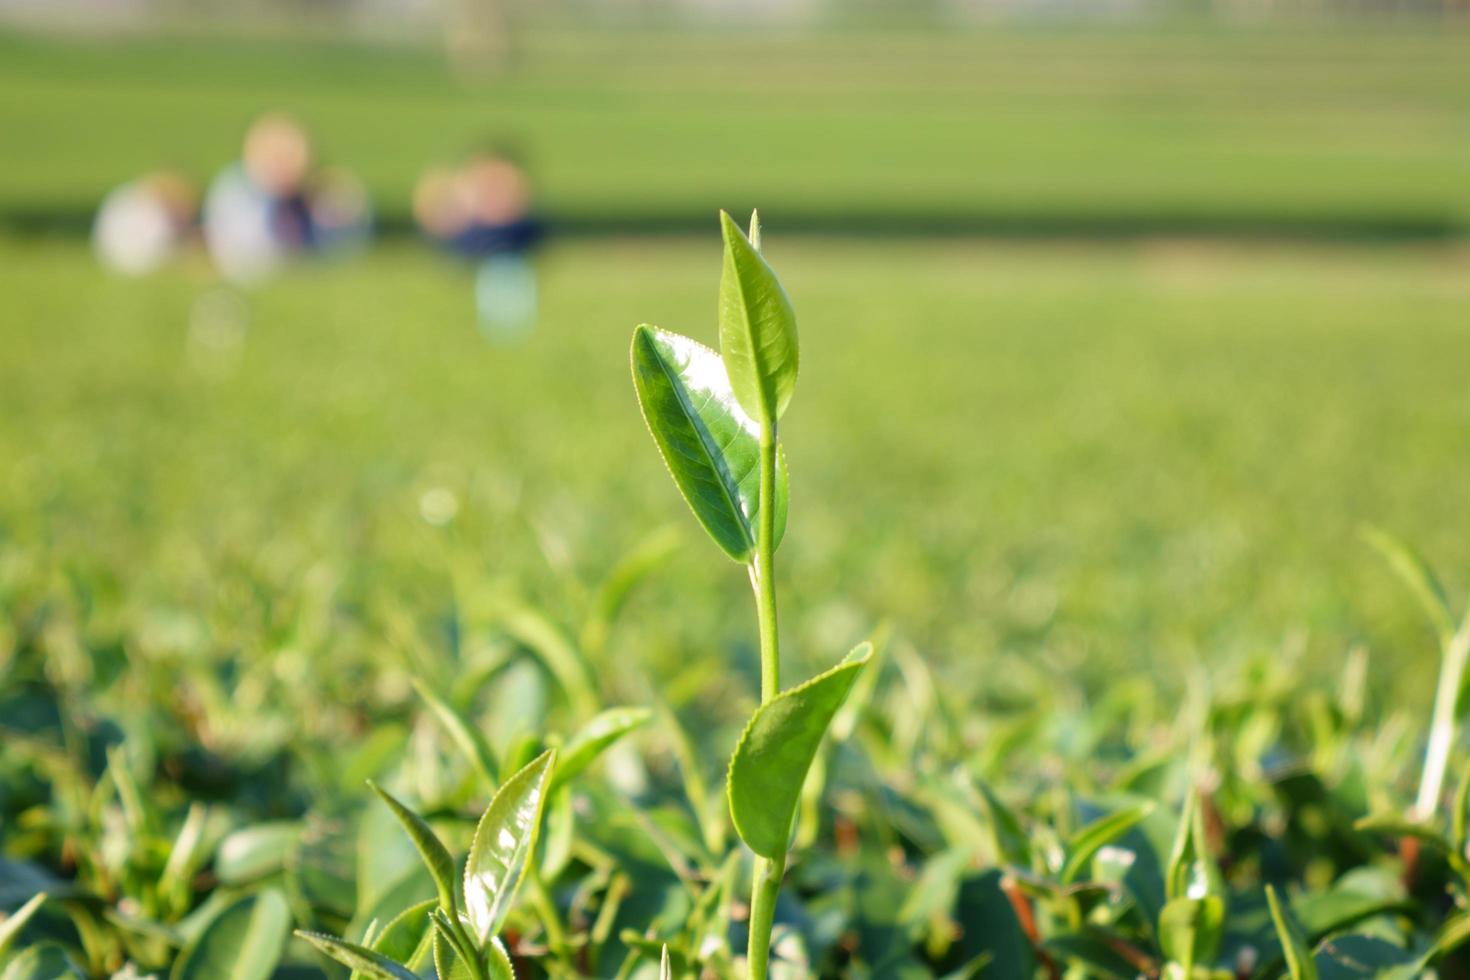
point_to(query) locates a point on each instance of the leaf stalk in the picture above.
(766, 885)
(763, 568)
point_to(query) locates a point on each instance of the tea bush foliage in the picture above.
(486, 780)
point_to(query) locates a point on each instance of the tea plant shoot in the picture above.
(714, 417)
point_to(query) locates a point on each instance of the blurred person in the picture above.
(482, 211)
(145, 222)
(339, 211)
(273, 205)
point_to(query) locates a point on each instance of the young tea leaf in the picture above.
(1192, 872)
(593, 739)
(451, 955)
(1394, 824)
(771, 761)
(503, 841)
(709, 443)
(408, 936)
(360, 960)
(447, 963)
(757, 327)
(243, 942)
(465, 735)
(1098, 834)
(1299, 963)
(1190, 929)
(17, 920)
(186, 857)
(139, 814)
(1009, 839)
(436, 856)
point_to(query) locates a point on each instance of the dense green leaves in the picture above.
(243, 942)
(907, 864)
(709, 443)
(771, 761)
(757, 327)
(1090, 955)
(1363, 957)
(503, 843)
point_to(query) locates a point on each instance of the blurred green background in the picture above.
(1322, 129)
(1117, 331)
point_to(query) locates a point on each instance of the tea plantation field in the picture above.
(1148, 340)
(1068, 485)
(1078, 456)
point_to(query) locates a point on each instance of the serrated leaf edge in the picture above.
(753, 428)
(547, 767)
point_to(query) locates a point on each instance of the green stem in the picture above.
(556, 937)
(1442, 725)
(764, 891)
(763, 569)
(768, 873)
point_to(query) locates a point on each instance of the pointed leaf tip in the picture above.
(757, 327)
(11, 927)
(435, 855)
